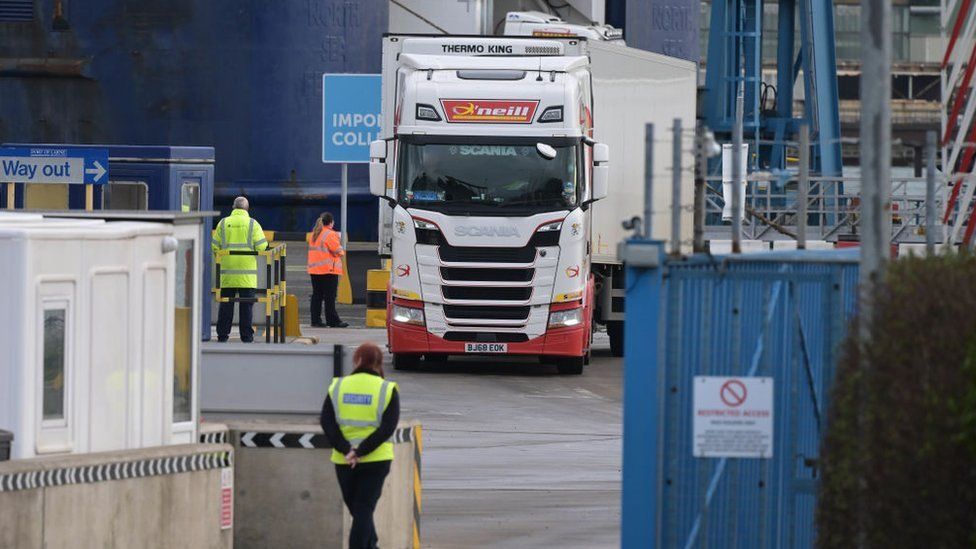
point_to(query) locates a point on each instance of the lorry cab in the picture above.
(489, 172)
(494, 171)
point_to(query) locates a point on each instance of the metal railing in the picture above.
(274, 292)
(833, 207)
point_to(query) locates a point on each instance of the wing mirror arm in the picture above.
(377, 170)
(601, 172)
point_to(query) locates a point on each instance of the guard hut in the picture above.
(100, 312)
(140, 178)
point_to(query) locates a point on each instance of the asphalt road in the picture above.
(515, 455)
(518, 456)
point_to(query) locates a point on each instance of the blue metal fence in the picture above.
(780, 315)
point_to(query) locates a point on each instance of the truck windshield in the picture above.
(486, 178)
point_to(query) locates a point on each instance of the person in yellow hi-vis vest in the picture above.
(238, 273)
(360, 414)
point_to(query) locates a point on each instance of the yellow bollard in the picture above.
(292, 326)
(377, 282)
(344, 295)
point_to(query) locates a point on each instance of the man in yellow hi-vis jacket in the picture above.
(238, 273)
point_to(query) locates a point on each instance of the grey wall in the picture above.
(664, 26)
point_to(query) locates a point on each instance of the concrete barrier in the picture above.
(287, 494)
(150, 497)
(288, 378)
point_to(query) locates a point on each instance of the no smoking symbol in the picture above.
(733, 393)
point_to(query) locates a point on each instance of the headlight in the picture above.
(408, 315)
(421, 224)
(567, 318)
(554, 226)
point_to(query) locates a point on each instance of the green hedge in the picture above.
(899, 457)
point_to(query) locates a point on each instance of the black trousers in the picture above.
(324, 289)
(225, 314)
(361, 487)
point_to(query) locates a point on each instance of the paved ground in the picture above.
(515, 455)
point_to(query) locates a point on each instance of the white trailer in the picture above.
(460, 105)
(632, 88)
(90, 319)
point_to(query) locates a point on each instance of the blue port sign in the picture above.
(351, 106)
(71, 165)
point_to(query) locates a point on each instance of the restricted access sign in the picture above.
(733, 417)
(43, 164)
(351, 119)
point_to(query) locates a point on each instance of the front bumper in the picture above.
(408, 339)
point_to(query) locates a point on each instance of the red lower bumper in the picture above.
(574, 341)
(409, 339)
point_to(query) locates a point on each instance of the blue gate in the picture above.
(778, 315)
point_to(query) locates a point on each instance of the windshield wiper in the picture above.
(536, 202)
(464, 184)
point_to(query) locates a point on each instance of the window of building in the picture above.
(53, 395)
(183, 334)
(125, 195)
(190, 196)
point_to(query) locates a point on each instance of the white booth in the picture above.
(97, 331)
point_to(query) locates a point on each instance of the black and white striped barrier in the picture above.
(31, 480)
(214, 437)
(258, 439)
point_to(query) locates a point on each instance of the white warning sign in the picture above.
(733, 417)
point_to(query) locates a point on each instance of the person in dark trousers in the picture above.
(324, 268)
(360, 414)
(238, 273)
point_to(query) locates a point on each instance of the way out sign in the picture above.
(733, 417)
(71, 165)
(351, 105)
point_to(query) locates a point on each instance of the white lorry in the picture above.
(506, 168)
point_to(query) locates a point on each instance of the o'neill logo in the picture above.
(489, 111)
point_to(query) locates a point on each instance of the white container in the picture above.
(632, 88)
(436, 16)
(87, 334)
(727, 180)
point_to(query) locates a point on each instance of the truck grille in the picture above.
(479, 254)
(487, 312)
(486, 293)
(487, 275)
(471, 254)
(486, 337)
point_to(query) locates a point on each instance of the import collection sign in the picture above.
(351, 106)
(71, 165)
(733, 417)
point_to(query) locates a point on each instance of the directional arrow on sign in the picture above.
(276, 440)
(98, 171)
(306, 440)
(248, 440)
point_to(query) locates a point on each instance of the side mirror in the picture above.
(377, 168)
(601, 153)
(601, 171)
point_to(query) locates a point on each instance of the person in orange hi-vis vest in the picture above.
(325, 267)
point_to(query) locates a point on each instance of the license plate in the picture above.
(485, 347)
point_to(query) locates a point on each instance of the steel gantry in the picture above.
(735, 59)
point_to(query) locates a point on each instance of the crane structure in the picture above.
(958, 127)
(735, 60)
